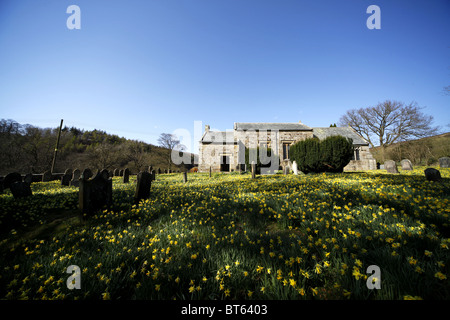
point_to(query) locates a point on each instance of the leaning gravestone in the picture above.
(432, 174)
(406, 164)
(143, 185)
(46, 176)
(444, 162)
(126, 175)
(75, 178)
(390, 166)
(95, 193)
(67, 176)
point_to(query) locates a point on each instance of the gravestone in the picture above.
(95, 193)
(159, 170)
(390, 166)
(153, 175)
(20, 189)
(150, 168)
(184, 177)
(28, 179)
(444, 162)
(11, 178)
(116, 172)
(87, 173)
(67, 176)
(75, 178)
(143, 185)
(210, 171)
(295, 168)
(46, 176)
(406, 164)
(126, 175)
(253, 170)
(121, 173)
(286, 170)
(432, 174)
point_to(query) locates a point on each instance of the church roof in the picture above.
(218, 137)
(347, 132)
(271, 126)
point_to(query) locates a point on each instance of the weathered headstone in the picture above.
(406, 164)
(184, 177)
(444, 162)
(11, 178)
(390, 166)
(75, 178)
(159, 170)
(153, 175)
(67, 176)
(126, 175)
(432, 174)
(253, 170)
(286, 170)
(116, 172)
(20, 189)
(143, 185)
(295, 168)
(150, 168)
(87, 173)
(95, 193)
(46, 176)
(121, 173)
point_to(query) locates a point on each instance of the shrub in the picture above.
(329, 155)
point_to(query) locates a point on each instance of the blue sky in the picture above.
(141, 68)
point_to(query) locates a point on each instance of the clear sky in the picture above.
(141, 68)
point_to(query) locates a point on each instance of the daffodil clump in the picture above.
(233, 237)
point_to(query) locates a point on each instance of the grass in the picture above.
(231, 237)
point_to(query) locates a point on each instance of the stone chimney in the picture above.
(207, 127)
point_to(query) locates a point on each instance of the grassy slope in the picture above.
(280, 237)
(439, 146)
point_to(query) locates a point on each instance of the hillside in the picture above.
(30, 149)
(425, 151)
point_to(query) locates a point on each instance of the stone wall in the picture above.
(366, 162)
(211, 156)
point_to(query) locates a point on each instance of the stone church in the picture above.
(224, 151)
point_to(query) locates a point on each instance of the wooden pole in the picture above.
(56, 148)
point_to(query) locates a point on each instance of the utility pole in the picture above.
(56, 148)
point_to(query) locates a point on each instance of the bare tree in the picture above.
(389, 122)
(171, 142)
